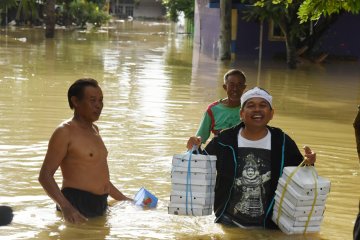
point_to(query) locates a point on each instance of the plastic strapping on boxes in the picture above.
(188, 185)
(312, 207)
(285, 188)
(211, 170)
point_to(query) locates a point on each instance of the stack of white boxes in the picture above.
(192, 180)
(298, 201)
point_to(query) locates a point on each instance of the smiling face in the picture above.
(234, 87)
(256, 113)
(90, 105)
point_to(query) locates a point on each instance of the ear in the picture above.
(272, 114)
(224, 87)
(74, 101)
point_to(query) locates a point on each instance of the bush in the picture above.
(83, 12)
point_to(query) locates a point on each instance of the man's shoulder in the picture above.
(231, 131)
(275, 130)
(65, 127)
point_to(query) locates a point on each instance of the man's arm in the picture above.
(57, 150)
(204, 130)
(116, 194)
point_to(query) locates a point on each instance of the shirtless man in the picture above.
(76, 146)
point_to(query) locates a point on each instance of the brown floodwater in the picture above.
(156, 87)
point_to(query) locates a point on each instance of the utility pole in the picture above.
(225, 29)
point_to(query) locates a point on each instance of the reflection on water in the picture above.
(156, 89)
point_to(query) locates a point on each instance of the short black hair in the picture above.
(236, 72)
(77, 89)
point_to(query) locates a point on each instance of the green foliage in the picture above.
(83, 11)
(7, 4)
(174, 7)
(281, 12)
(27, 10)
(313, 9)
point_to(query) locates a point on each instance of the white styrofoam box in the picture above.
(193, 181)
(208, 194)
(197, 161)
(300, 222)
(303, 181)
(297, 202)
(194, 175)
(192, 198)
(194, 187)
(194, 170)
(299, 211)
(287, 228)
(296, 198)
(298, 219)
(194, 210)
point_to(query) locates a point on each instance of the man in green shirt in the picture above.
(223, 113)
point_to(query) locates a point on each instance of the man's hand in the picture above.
(193, 141)
(72, 215)
(310, 156)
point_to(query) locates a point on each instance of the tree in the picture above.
(314, 9)
(225, 29)
(50, 18)
(5, 5)
(27, 11)
(83, 12)
(283, 14)
(174, 7)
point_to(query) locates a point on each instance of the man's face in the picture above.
(90, 106)
(234, 87)
(256, 113)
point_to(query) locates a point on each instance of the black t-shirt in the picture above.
(250, 193)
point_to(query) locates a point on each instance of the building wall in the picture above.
(340, 39)
(149, 9)
(207, 28)
(138, 9)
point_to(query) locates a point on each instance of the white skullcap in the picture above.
(256, 92)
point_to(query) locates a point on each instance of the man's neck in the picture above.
(229, 103)
(254, 134)
(83, 123)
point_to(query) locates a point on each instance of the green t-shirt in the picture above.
(223, 116)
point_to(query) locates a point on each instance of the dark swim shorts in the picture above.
(88, 204)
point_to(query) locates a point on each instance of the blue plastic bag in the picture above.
(145, 198)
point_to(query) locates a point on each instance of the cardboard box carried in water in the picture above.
(197, 161)
(286, 227)
(299, 199)
(194, 210)
(184, 180)
(192, 197)
(298, 211)
(181, 187)
(194, 170)
(300, 221)
(303, 181)
(205, 177)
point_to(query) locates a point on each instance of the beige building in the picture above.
(152, 9)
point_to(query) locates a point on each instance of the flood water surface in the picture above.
(156, 89)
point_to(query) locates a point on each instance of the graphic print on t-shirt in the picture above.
(249, 195)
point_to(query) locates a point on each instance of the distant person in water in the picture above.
(6, 215)
(78, 149)
(223, 113)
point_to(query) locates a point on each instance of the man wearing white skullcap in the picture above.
(250, 159)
